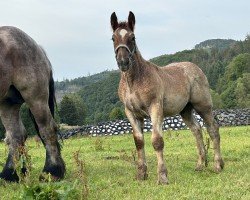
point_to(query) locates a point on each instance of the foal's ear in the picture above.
(131, 21)
(113, 21)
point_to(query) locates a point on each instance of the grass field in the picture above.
(104, 168)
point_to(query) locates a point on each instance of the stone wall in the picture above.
(237, 117)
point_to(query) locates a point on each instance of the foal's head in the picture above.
(124, 41)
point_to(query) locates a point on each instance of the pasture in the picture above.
(105, 168)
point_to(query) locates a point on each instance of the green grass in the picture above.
(109, 168)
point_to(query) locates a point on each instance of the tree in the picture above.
(242, 91)
(116, 113)
(217, 102)
(228, 96)
(72, 110)
(239, 65)
(27, 121)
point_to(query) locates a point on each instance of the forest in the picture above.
(93, 99)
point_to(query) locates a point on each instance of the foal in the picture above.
(150, 91)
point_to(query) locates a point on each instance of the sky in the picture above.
(76, 34)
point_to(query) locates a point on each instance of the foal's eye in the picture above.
(113, 39)
(133, 39)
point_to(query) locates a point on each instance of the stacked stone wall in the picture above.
(237, 117)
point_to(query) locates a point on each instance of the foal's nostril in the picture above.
(123, 62)
(126, 62)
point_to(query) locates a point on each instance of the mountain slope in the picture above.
(215, 43)
(99, 92)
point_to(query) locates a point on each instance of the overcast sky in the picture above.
(76, 33)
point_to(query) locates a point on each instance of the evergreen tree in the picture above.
(116, 113)
(242, 91)
(72, 110)
(217, 102)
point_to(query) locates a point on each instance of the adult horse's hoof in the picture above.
(9, 175)
(219, 165)
(57, 172)
(47, 177)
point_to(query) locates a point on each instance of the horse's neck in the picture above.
(136, 72)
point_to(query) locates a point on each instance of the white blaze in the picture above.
(123, 32)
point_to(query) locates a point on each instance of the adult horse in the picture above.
(156, 92)
(26, 76)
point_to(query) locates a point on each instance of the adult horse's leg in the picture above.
(156, 114)
(195, 127)
(137, 125)
(15, 138)
(54, 163)
(213, 131)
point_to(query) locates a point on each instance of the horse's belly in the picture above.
(174, 105)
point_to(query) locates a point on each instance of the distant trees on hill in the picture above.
(215, 43)
(234, 86)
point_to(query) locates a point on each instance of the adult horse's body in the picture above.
(26, 76)
(150, 91)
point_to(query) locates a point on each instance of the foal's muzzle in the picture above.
(124, 57)
(123, 64)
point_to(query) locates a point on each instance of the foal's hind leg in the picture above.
(213, 131)
(193, 124)
(137, 125)
(15, 138)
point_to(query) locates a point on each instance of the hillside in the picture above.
(99, 91)
(74, 85)
(220, 44)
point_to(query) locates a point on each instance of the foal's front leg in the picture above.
(156, 114)
(137, 125)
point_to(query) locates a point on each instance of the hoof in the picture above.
(9, 175)
(142, 172)
(57, 172)
(24, 171)
(199, 168)
(162, 181)
(47, 177)
(142, 176)
(162, 177)
(219, 165)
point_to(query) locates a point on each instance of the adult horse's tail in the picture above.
(52, 98)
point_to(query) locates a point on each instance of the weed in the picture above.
(99, 144)
(81, 174)
(50, 190)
